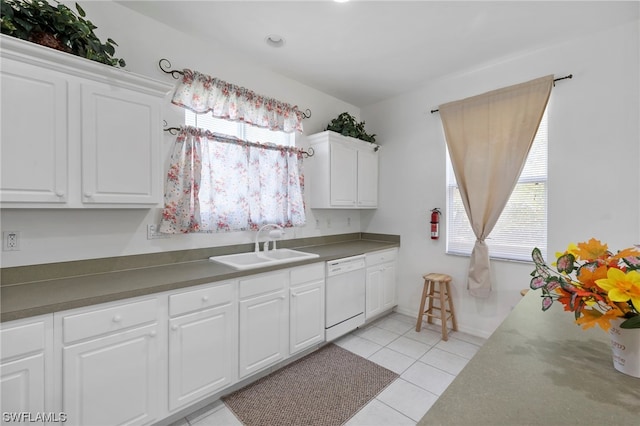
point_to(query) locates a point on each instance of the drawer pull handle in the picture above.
(59, 194)
(174, 327)
(205, 298)
(88, 194)
(117, 318)
(152, 333)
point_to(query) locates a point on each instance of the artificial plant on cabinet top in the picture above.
(346, 125)
(58, 27)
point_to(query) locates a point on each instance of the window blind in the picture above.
(523, 222)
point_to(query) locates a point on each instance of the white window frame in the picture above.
(238, 129)
(502, 243)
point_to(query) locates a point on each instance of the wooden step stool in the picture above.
(436, 286)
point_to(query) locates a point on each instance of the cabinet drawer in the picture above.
(263, 284)
(201, 298)
(22, 338)
(304, 274)
(381, 256)
(108, 320)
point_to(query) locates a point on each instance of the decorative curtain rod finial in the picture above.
(173, 130)
(168, 70)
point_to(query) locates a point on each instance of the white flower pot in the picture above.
(625, 348)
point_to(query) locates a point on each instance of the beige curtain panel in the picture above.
(489, 137)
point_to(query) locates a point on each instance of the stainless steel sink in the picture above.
(261, 259)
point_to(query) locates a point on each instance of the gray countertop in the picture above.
(540, 368)
(26, 299)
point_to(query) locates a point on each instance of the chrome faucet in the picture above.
(266, 244)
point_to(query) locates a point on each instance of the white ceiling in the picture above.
(366, 51)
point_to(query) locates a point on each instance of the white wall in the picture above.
(594, 179)
(594, 156)
(56, 235)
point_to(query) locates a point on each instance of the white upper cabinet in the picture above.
(77, 133)
(34, 133)
(120, 146)
(343, 172)
(367, 177)
(343, 176)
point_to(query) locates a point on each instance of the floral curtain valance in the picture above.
(202, 93)
(218, 183)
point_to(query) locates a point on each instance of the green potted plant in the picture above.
(57, 27)
(346, 125)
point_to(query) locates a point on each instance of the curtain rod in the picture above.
(175, 73)
(174, 131)
(554, 83)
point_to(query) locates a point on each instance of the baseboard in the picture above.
(461, 327)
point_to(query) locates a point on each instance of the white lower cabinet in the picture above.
(380, 282)
(140, 360)
(264, 321)
(111, 366)
(203, 336)
(25, 369)
(306, 307)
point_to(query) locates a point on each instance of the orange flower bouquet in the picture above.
(594, 283)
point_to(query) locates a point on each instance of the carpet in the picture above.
(326, 387)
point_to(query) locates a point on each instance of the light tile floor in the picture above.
(426, 365)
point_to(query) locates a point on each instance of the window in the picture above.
(220, 183)
(523, 223)
(238, 129)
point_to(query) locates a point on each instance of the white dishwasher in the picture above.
(345, 298)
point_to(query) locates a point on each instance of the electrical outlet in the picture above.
(348, 221)
(11, 240)
(328, 222)
(153, 233)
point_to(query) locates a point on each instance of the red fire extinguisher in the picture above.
(435, 224)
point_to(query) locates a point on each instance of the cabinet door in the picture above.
(373, 305)
(306, 316)
(112, 380)
(381, 289)
(34, 134)
(344, 175)
(367, 178)
(25, 371)
(389, 299)
(202, 354)
(121, 133)
(264, 324)
(23, 386)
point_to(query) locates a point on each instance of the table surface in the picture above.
(540, 368)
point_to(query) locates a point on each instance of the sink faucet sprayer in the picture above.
(276, 233)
